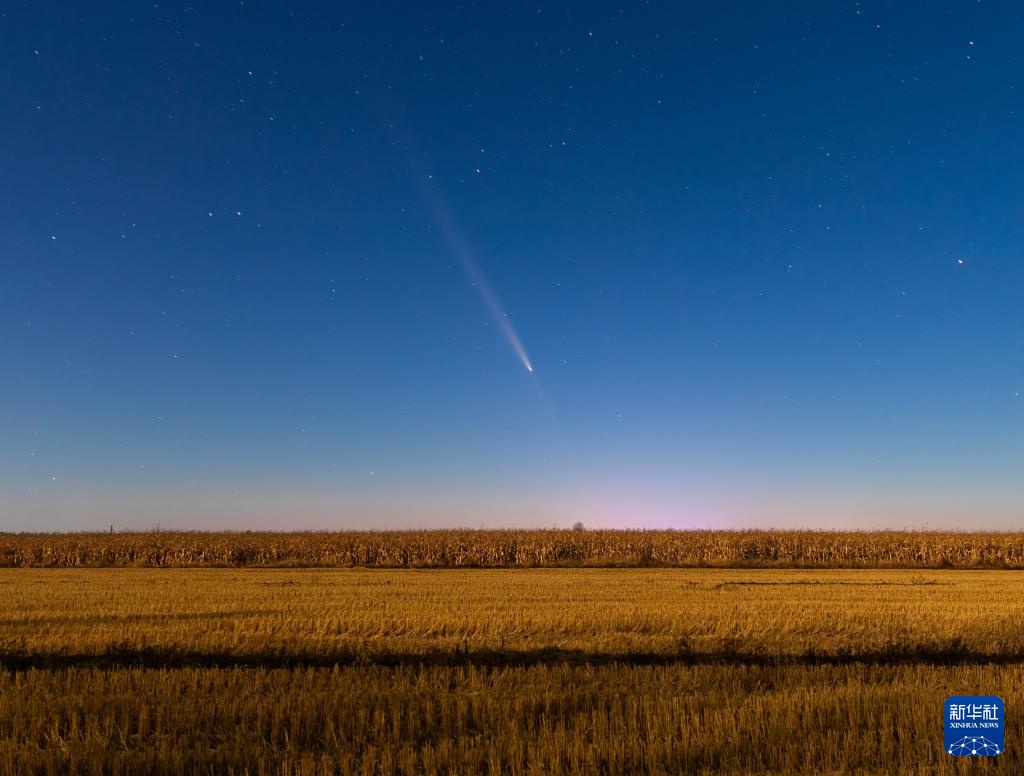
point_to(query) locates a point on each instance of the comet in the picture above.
(460, 248)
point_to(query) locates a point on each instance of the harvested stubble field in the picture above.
(584, 671)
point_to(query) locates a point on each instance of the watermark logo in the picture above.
(974, 726)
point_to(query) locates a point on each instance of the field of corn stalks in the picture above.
(513, 548)
(495, 671)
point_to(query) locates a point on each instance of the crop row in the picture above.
(513, 548)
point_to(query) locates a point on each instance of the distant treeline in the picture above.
(512, 548)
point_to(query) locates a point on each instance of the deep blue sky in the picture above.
(766, 262)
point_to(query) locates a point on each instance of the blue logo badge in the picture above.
(974, 726)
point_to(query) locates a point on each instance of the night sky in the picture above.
(276, 265)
